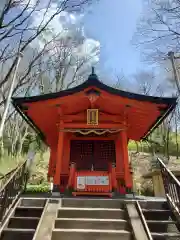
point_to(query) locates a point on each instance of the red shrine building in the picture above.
(87, 129)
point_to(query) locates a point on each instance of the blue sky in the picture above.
(112, 23)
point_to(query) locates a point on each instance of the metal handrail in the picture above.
(16, 170)
(4, 178)
(170, 173)
(171, 186)
(8, 216)
(146, 228)
(7, 174)
(12, 189)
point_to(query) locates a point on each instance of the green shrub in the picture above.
(41, 188)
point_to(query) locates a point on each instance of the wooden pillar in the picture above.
(66, 154)
(119, 165)
(51, 162)
(59, 158)
(127, 174)
(118, 156)
(71, 175)
(114, 180)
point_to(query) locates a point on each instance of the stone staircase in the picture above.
(23, 220)
(92, 219)
(162, 224)
(89, 219)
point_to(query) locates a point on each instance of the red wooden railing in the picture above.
(71, 175)
(110, 176)
(94, 188)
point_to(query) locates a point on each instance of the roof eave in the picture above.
(29, 121)
(96, 83)
(159, 121)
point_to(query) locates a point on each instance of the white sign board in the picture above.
(92, 180)
(97, 180)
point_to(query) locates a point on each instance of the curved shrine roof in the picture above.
(142, 113)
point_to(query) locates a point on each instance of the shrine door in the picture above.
(92, 154)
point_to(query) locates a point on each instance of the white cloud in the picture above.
(67, 24)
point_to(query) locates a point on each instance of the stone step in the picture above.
(90, 223)
(87, 234)
(33, 202)
(28, 211)
(161, 222)
(99, 213)
(156, 214)
(164, 236)
(159, 211)
(154, 204)
(23, 222)
(19, 234)
(162, 226)
(92, 203)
